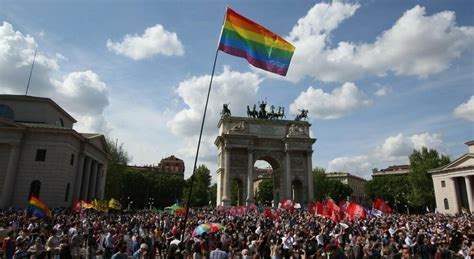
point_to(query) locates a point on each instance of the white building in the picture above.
(42, 155)
(453, 183)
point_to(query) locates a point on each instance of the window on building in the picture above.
(40, 155)
(446, 204)
(443, 183)
(67, 192)
(35, 188)
(72, 160)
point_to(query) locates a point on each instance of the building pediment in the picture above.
(98, 141)
(465, 161)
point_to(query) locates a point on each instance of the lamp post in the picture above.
(151, 202)
(128, 203)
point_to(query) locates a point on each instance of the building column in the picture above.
(249, 199)
(470, 197)
(103, 177)
(93, 180)
(85, 178)
(76, 194)
(310, 176)
(287, 182)
(454, 187)
(96, 193)
(10, 177)
(226, 184)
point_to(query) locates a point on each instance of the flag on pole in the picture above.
(115, 204)
(262, 48)
(38, 208)
(381, 205)
(101, 206)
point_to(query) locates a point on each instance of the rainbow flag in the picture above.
(262, 48)
(38, 208)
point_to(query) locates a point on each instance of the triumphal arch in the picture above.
(285, 144)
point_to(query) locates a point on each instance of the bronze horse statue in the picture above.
(252, 113)
(225, 110)
(302, 115)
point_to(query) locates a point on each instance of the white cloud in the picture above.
(340, 102)
(383, 90)
(465, 110)
(417, 44)
(86, 98)
(360, 165)
(155, 40)
(80, 93)
(394, 150)
(238, 89)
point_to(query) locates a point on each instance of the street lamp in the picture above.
(128, 203)
(151, 202)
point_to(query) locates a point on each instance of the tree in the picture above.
(392, 188)
(422, 190)
(116, 169)
(200, 192)
(327, 188)
(264, 194)
(337, 190)
(319, 179)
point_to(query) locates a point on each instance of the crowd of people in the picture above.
(298, 234)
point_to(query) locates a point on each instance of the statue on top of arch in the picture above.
(262, 113)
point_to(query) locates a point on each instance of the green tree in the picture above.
(264, 194)
(422, 190)
(319, 179)
(395, 189)
(116, 170)
(200, 191)
(337, 190)
(327, 188)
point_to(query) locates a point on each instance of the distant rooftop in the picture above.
(343, 174)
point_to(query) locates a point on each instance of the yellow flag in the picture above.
(115, 204)
(100, 205)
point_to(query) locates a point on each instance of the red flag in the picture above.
(319, 208)
(287, 205)
(76, 207)
(331, 205)
(335, 216)
(272, 213)
(356, 210)
(382, 205)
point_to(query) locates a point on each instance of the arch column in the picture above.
(287, 182)
(250, 198)
(10, 177)
(310, 176)
(226, 183)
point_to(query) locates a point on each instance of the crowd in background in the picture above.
(298, 234)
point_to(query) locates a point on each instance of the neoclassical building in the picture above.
(454, 184)
(42, 155)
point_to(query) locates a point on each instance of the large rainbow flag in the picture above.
(262, 48)
(38, 208)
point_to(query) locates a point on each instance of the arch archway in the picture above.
(35, 188)
(285, 145)
(297, 191)
(237, 192)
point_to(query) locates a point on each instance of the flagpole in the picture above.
(31, 71)
(200, 133)
(199, 143)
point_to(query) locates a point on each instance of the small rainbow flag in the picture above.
(38, 208)
(262, 48)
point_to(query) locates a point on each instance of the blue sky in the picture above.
(378, 77)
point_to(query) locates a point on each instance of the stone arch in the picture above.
(285, 145)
